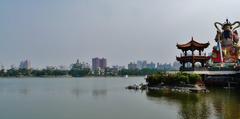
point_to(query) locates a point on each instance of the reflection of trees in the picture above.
(24, 91)
(99, 92)
(222, 104)
(77, 91)
(226, 103)
(192, 106)
(199, 110)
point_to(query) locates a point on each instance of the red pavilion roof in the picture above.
(193, 45)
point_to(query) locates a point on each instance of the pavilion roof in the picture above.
(193, 45)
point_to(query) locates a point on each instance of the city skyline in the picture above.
(101, 63)
(58, 32)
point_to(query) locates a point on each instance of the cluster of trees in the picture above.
(79, 72)
(173, 79)
(137, 72)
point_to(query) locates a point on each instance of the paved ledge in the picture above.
(208, 72)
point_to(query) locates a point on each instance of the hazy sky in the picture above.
(54, 32)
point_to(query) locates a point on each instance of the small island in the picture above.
(180, 82)
(175, 82)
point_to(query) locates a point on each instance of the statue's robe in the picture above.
(216, 57)
(229, 46)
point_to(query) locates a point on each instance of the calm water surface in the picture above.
(106, 98)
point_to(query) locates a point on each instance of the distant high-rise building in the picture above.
(141, 64)
(164, 66)
(99, 63)
(103, 63)
(82, 65)
(176, 65)
(151, 65)
(25, 64)
(117, 67)
(95, 63)
(132, 65)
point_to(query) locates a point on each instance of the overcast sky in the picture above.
(55, 32)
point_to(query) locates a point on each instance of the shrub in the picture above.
(193, 78)
(172, 79)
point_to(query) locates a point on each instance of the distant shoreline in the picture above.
(66, 76)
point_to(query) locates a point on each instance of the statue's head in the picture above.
(227, 26)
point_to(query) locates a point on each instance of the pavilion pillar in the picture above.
(200, 53)
(202, 63)
(185, 53)
(193, 59)
(193, 65)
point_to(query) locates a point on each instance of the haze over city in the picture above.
(58, 32)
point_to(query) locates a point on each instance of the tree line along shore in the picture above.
(75, 72)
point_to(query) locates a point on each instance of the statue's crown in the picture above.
(227, 23)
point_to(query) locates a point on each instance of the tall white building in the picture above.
(26, 64)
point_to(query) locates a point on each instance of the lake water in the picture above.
(106, 98)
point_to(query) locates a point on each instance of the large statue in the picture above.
(227, 49)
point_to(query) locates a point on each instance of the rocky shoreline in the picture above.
(186, 88)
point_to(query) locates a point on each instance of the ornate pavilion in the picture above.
(192, 58)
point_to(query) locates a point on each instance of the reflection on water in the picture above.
(99, 92)
(24, 91)
(77, 91)
(222, 104)
(226, 103)
(107, 98)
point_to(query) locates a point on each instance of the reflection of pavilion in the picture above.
(192, 58)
